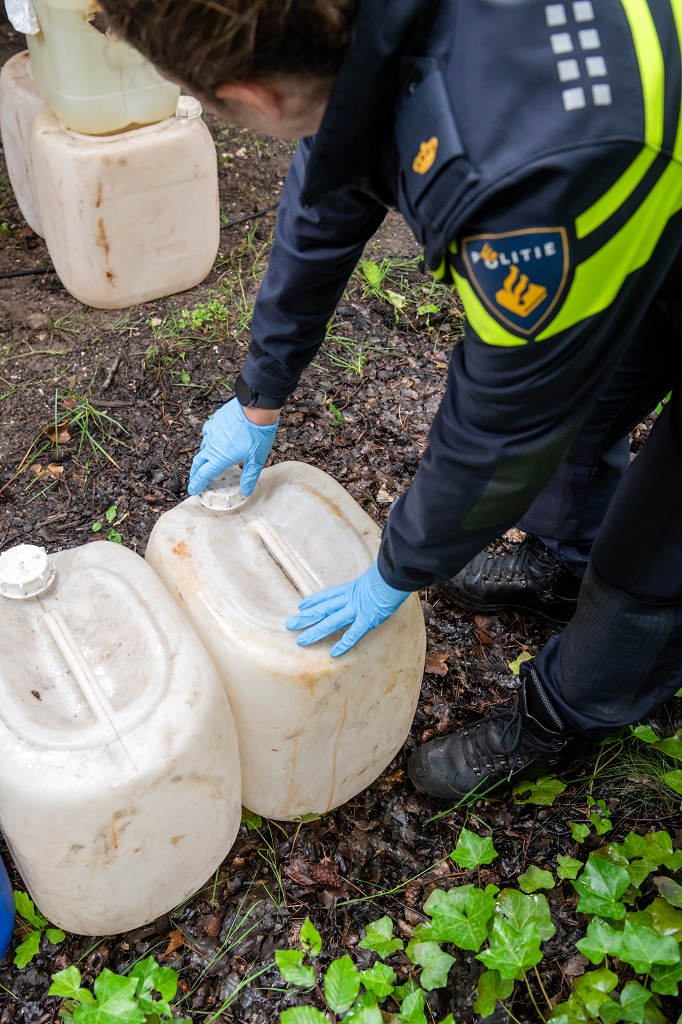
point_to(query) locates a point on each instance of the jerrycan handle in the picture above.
(82, 672)
(287, 559)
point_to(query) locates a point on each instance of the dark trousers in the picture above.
(618, 524)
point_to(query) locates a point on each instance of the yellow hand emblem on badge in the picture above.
(424, 159)
(519, 295)
(488, 253)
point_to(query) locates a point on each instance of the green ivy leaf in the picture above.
(645, 733)
(666, 978)
(633, 999)
(568, 866)
(341, 984)
(669, 889)
(379, 937)
(600, 823)
(491, 987)
(579, 831)
(642, 947)
(55, 935)
(401, 992)
(25, 908)
(665, 919)
(412, 1009)
(571, 1012)
(379, 979)
(435, 962)
(600, 888)
(535, 878)
(672, 745)
(511, 951)
(472, 850)
(594, 988)
(601, 940)
(251, 819)
(543, 792)
(302, 1015)
(67, 984)
(110, 514)
(674, 780)
(460, 916)
(521, 910)
(150, 976)
(27, 949)
(448, 1020)
(311, 940)
(115, 1003)
(290, 965)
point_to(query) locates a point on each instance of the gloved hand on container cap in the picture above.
(230, 437)
(363, 604)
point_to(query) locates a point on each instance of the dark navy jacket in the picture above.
(535, 150)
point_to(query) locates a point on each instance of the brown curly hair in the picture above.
(205, 43)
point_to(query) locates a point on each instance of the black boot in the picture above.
(527, 578)
(522, 742)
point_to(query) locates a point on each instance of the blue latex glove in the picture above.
(229, 437)
(363, 604)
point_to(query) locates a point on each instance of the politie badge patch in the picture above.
(519, 275)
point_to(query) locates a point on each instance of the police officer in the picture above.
(535, 149)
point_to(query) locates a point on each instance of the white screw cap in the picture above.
(223, 494)
(188, 107)
(25, 571)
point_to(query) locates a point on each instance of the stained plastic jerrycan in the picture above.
(313, 731)
(119, 772)
(129, 217)
(95, 83)
(19, 106)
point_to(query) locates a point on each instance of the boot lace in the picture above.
(497, 740)
(520, 561)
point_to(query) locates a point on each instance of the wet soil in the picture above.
(362, 414)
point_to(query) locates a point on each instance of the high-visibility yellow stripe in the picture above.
(485, 326)
(598, 280)
(439, 272)
(652, 74)
(677, 14)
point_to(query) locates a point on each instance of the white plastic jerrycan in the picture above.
(19, 106)
(119, 772)
(313, 730)
(130, 217)
(95, 83)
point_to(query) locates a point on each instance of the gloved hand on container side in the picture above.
(230, 437)
(363, 604)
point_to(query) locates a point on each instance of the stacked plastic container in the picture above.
(141, 703)
(109, 163)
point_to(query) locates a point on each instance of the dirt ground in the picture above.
(128, 391)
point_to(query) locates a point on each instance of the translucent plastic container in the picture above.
(130, 217)
(94, 83)
(19, 106)
(313, 731)
(119, 773)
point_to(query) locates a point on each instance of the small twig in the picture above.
(112, 372)
(110, 403)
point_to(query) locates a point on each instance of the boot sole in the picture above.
(484, 607)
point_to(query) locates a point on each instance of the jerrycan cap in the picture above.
(223, 494)
(25, 571)
(188, 107)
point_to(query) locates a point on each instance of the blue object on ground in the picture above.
(6, 910)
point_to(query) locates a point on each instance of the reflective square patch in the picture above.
(519, 275)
